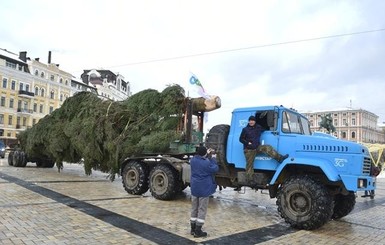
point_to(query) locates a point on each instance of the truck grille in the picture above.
(324, 148)
(366, 166)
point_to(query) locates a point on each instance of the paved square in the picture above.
(42, 206)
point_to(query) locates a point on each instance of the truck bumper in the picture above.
(359, 183)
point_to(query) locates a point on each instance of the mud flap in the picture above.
(186, 173)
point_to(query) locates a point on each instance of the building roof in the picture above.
(102, 73)
(10, 55)
(93, 72)
(337, 110)
(79, 81)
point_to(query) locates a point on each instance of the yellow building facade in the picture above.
(29, 90)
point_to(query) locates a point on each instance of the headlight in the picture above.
(362, 183)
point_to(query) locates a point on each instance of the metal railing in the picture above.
(23, 110)
(23, 92)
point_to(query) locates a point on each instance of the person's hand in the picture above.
(210, 152)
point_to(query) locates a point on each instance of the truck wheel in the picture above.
(19, 159)
(181, 186)
(304, 203)
(184, 186)
(16, 159)
(163, 182)
(135, 178)
(48, 163)
(10, 158)
(217, 139)
(343, 205)
(23, 159)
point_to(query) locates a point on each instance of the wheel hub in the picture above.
(159, 183)
(132, 178)
(300, 203)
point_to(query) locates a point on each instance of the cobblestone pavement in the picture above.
(42, 206)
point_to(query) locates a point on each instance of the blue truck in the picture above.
(316, 183)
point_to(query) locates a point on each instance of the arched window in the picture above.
(36, 90)
(353, 135)
(344, 135)
(42, 92)
(52, 94)
(61, 80)
(36, 73)
(66, 82)
(42, 74)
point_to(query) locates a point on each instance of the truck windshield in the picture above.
(305, 126)
(295, 123)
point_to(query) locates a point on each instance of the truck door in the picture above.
(268, 120)
(293, 125)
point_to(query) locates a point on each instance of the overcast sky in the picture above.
(309, 55)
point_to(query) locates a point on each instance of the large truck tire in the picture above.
(217, 139)
(182, 186)
(48, 163)
(23, 159)
(10, 158)
(343, 205)
(164, 182)
(304, 203)
(44, 162)
(18, 159)
(15, 158)
(135, 177)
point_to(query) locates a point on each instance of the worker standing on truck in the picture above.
(250, 138)
(203, 168)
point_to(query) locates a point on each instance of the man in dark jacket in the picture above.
(202, 183)
(250, 138)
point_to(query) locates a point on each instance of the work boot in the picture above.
(193, 225)
(199, 232)
(282, 158)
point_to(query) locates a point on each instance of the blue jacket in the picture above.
(202, 181)
(251, 134)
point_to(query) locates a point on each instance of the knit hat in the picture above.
(202, 150)
(252, 118)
